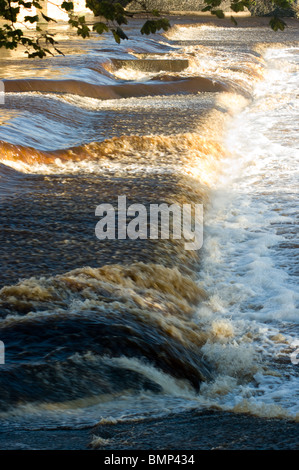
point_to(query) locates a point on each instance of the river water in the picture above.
(118, 330)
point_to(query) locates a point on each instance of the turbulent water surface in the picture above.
(124, 329)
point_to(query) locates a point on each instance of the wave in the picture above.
(194, 153)
(238, 72)
(191, 154)
(168, 64)
(106, 92)
(142, 309)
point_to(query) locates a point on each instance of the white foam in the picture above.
(249, 263)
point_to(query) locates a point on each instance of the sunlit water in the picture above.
(251, 257)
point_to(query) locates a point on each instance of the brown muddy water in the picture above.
(143, 331)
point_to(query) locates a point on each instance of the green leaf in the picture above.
(218, 13)
(27, 5)
(31, 19)
(58, 51)
(121, 33)
(50, 40)
(83, 31)
(236, 7)
(100, 28)
(277, 23)
(233, 20)
(37, 5)
(152, 26)
(116, 36)
(156, 12)
(285, 4)
(67, 6)
(47, 18)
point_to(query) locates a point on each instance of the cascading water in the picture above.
(126, 329)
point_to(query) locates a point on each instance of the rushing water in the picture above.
(124, 329)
